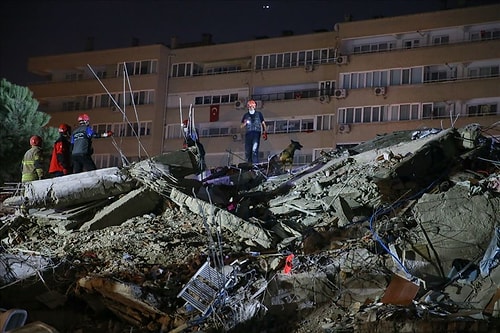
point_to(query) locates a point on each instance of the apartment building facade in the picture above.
(325, 90)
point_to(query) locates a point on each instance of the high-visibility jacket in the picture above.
(32, 165)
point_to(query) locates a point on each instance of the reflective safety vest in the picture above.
(32, 165)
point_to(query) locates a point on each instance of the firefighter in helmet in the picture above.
(32, 164)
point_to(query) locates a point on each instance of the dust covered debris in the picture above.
(399, 233)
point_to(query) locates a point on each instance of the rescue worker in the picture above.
(32, 164)
(60, 163)
(191, 139)
(254, 123)
(81, 143)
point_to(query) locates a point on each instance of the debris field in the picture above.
(397, 234)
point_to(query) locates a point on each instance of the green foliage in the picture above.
(19, 120)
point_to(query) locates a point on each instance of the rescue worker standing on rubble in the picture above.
(60, 163)
(192, 139)
(32, 164)
(81, 145)
(254, 124)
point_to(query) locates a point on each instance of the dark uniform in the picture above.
(253, 121)
(81, 154)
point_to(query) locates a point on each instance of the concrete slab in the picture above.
(134, 203)
(253, 234)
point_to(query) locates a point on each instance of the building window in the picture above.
(215, 99)
(485, 35)
(105, 101)
(395, 77)
(373, 79)
(286, 92)
(439, 111)
(374, 47)
(404, 112)
(366, 114)
(436, 76)
(70, 106)
(411, 43)
(295, 59)
(482, 109)
(427, 111)
(435, 110)
(139, 98)
(441, 40)
(137, 67)
(486, 71)
(326, 88)
(142, 128)
(325, 122)
(181, 69)
(73, 76)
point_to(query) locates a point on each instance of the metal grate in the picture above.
(204, 288)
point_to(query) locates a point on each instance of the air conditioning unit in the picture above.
(324, 99)
(240, 104)
(237, 137)
(341, 60)
(259, 104)
(379, 91)
(309, 68)
(340, 93)
(344, 128)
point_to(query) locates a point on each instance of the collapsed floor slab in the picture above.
(252, 234)
(136, 202)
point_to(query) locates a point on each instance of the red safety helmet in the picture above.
(251, 104)
(83, 118)
(35, 140)
(64, 128)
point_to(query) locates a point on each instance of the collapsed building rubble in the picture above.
(396, 234)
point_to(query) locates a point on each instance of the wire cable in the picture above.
(134, 132)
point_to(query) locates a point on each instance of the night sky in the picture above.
(43, 27)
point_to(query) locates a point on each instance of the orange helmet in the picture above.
(83, 118)
(35, 140)
(64, 129)
(251, 104)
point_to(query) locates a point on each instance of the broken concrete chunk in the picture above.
(254, 235)
(136, 202)
(71, 190)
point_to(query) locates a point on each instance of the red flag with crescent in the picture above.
(214, 113)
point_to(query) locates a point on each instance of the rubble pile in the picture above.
(398, 234)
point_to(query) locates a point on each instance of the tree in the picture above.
(19, 120)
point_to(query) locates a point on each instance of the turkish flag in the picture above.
(214, 113)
